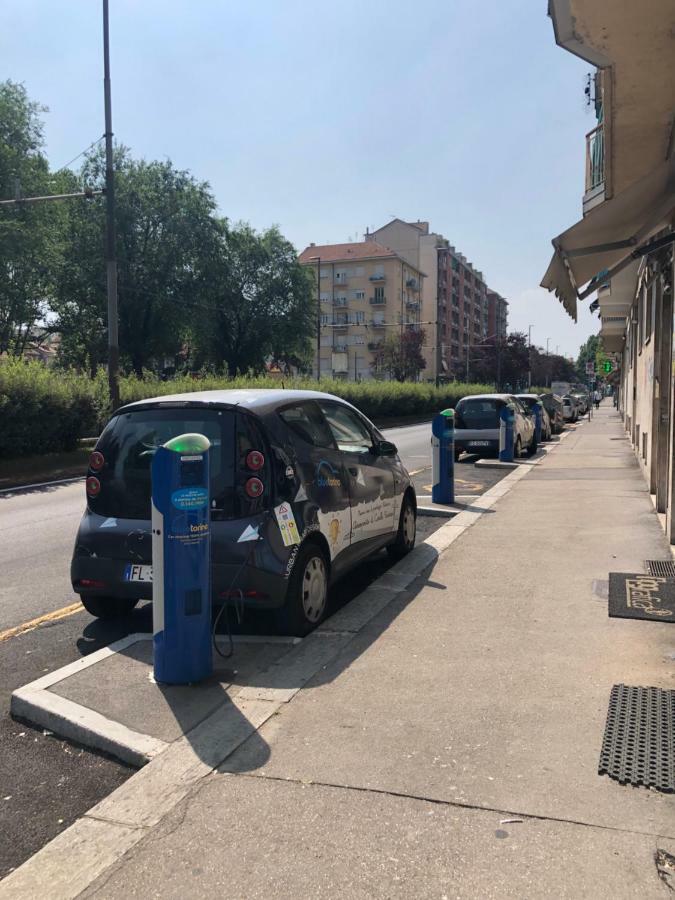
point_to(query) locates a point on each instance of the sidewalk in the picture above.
(478, 696)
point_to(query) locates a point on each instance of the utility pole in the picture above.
(529, 357)
(110, 256)
(499, 345)
(317, 260)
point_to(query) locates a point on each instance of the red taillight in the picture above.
(254, 460)
(96, 461)
(254, 488)
(93, 486)
(90, 583)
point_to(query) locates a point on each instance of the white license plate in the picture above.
(135, 572)
(479, 443)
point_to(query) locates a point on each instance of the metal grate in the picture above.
(639, 743)
(664, 568)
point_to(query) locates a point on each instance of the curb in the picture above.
(73, 860)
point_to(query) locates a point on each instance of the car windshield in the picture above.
(130, 442)
(483, 413)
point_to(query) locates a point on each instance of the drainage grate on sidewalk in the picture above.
(664, 568)
(638, 747)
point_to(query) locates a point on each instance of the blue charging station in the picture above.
(507, 419)
(538, 420)
(443, 457)
(181, 560)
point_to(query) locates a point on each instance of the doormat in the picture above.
(640, 596)
(638, 746)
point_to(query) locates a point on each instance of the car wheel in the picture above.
(518, 448)
(108, 607)
(532, 449)
(407, 530)
(307, 593)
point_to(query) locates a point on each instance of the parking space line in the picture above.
(54, 616)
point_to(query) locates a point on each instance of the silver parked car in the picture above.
(477, 425)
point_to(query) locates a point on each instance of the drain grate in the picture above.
(664, 568)
(639, 743)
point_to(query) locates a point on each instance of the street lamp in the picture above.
(317, 259)
(547, 340)
(529, 357)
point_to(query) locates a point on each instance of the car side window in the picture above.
(350, 433)
(306, 421)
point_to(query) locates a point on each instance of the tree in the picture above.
(28, 233)
(261, 304)
(401, 355)
(587, 353)
(167, 236)
(548, 367)
(503, 361)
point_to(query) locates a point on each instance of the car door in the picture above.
(372, 487)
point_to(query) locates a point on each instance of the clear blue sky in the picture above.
(325, 118)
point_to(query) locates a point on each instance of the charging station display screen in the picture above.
(191, 472)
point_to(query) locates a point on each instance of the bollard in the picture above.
(506, 422)
(181, 560)
(538, 420)
(443, 457)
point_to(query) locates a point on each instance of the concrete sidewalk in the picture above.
(451, 748)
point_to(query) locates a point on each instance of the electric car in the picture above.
(276, 456)
(477, 425)
(529, 401)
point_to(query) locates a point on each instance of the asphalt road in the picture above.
(46, 783)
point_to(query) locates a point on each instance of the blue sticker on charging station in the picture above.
(190, 498)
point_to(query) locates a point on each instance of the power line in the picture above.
(93, 144)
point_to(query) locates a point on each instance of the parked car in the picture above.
(570, 408)
(477, 425)
(529, 401)
(583, 402)
(554, 408)
(345, 485)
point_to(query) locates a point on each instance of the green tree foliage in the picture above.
(506, 364)
(29, 234)
(587, 353)
(401, 356)
(260, 303)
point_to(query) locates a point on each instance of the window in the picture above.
(325, 320)
(650, 309)
(325, 273)
(350, 433)
(359, 295)
(641, 318)
(325, 297)
(305, 420)
(359, 317)
(359, 271)
(379, 294)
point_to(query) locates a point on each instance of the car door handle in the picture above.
(353, 471)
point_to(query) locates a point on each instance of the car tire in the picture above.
(108, 607)
(407, 530)
(518, 449)
(307, 592)
(533, 447)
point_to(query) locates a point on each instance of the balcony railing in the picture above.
(378, 301)
(376, 277)
(595, 158)
(375, 345)
(413, 283)
(339, 301)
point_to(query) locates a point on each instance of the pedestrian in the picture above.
(597, 396)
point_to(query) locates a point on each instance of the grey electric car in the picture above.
(274, 454)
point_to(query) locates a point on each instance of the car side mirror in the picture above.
(385, 448)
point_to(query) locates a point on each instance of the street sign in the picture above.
(607, 366)
(590, 368)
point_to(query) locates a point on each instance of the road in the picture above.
(46, 783)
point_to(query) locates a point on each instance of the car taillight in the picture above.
(254, 488)
(93, 486)
(90, 583)
(96, 461)
(254, 460)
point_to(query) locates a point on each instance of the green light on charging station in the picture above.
(188, 443)
(450, 413)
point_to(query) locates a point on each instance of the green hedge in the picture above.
(45, 411)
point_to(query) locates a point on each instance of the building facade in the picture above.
(366, 292)
(622, 248)
(498, 313)
(455, 310)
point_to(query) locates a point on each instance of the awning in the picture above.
(606, 237)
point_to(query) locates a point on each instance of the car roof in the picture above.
(259, 400)
(487, 397)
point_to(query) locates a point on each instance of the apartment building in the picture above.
(498, 313)
(366, 291)
(455, 308)
(621, 251)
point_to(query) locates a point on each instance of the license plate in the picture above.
(135, 572)
(479, 443)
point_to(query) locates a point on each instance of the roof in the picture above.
(487, 396)
(261, 400)
(346, 252)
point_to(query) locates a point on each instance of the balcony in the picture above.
(377, 323)
(376, 277)
(374, 346)
(412, 304)
(339, 348)
(378, 301)
(595, 168)
(339, 301)
(412, 283)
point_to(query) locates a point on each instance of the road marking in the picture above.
(54, 616)
(418, 471)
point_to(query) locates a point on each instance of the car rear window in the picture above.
(477, 413)
(130, 440)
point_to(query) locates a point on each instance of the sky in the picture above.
(326, 119)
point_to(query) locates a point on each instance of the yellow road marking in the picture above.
(35, 623)
(418, 471)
